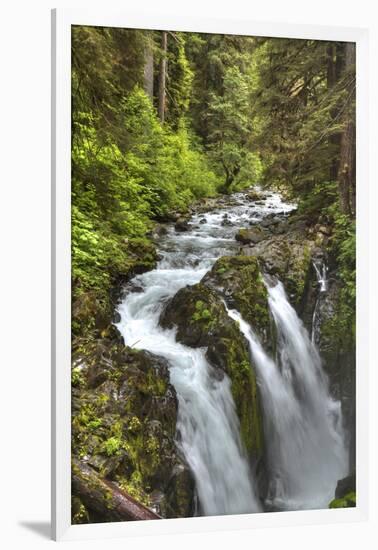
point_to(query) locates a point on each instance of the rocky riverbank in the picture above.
(125, 409)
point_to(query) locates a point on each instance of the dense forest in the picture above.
(167, 126)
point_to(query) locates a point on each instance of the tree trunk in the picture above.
(346, 172)
(149, 72)
(335, 56)
(104, 498)
(345, 175)
(162, 77)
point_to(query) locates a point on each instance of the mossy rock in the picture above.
(199, 315)
(124, 413)
(79, 512)
(93, 308)
(287, 257)
(201, 319)
(254, 195)
(345, 493)
(250, 236)
(348, 501)
(239, 281)
(143, 254)
(91, 314)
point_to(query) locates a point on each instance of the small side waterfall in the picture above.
(321, 276)
(303, 424)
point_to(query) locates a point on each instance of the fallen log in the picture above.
(105, 498)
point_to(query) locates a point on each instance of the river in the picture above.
(300, 417)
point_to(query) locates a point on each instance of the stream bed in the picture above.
(303, 426)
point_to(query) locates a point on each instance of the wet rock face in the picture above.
(124, 413)
(287, 256)
(198, 314)
(238, 279)
(339, 359)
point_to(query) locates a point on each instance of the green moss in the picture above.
(201, 312)
(340, 328)
(348, 501)
(94, 424)
(134, 424)
(129, 440)
(245, 394)
(77, 378)
(241, 276)
(79, 511)
(297, 276)
(351, 498)
(210, 325)
(135, 487)
(152, 446)
(111, 446)
(102, 400)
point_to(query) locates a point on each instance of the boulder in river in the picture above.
(202, 320)
(250, 236)
(271, 221)
(253, 195)
(182, 224)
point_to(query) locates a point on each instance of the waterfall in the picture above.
(207, 425)
(303, 424)
(208, 431)
(321, 276)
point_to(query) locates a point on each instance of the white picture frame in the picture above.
(62, 20)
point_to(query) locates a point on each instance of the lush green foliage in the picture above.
(239, 110)
(127, 168)
(302, 94)
(229, 123)
(160, 120)
(343, 249)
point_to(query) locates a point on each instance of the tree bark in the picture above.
(162, 77)
(345, 175)
(149, 72)
(346, 172)
(335, 55)
(104, 498)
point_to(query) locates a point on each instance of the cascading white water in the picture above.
(208, 426)
(321, 276)
(207, 421)
(303, 424)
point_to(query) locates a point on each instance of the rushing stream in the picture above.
(304, 444)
